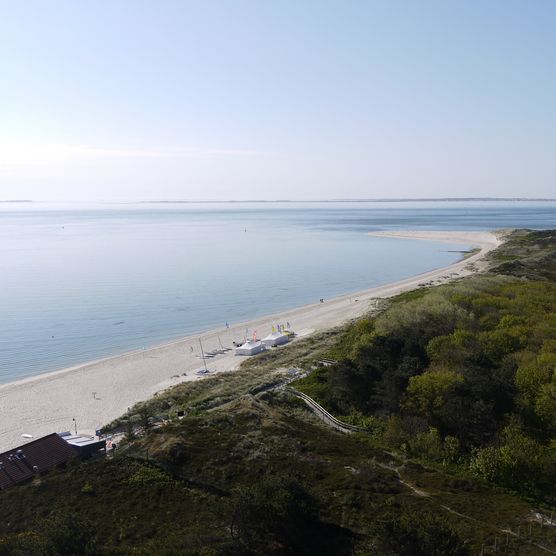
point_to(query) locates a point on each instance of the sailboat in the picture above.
(221, 346)
(205, 354)
(204, 371)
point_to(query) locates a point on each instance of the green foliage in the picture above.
(459, 362)
(455, 351)
(315, 384)
(88, 488)
(545, 405)
(451, 450)
(350, 337)
(373, 425)
(67, 535)
(420, 320)
(532, 376)
(501, 342)
(27, 543)
(427, 393)
(395, 434)
(528, 254)
(276, 511)
(418, 534)
(144, 416)
(59, 534)
(149, 475)
(426, 444)
(129, 430)
(520, 463)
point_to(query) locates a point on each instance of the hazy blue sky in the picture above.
(277, 99)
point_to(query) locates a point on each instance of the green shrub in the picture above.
(88, 488)
(149, 475)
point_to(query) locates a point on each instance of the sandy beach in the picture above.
(97, 392)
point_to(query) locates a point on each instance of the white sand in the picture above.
(48, 403)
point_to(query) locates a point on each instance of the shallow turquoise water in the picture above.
(82, 282)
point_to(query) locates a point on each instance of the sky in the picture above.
(118, 100)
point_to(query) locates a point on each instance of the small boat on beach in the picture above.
(215, 351)
(224, 349)
(205, 370)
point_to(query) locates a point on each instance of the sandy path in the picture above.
(49, 402)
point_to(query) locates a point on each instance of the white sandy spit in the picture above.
(96, 393)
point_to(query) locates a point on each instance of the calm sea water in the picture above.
(82, 282)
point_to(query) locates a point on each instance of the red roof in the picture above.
(21, 463)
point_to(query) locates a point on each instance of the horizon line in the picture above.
(333, 200)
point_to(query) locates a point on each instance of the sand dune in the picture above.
(95, 393)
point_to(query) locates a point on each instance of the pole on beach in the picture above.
(203, 355)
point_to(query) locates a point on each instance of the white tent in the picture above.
(275, 339)
(250, 347)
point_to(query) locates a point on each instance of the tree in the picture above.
(66, 535)
(348, 387)
(427, 393)
(451, 450)
(520, 463)
(145, 417)
(545, 405)
(129, 430)
(428, 444)
(422, 319)
(418, 534)
(455, 351)
(500, 343)
(530, 377)
(275, 512)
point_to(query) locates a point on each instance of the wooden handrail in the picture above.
(317, 408)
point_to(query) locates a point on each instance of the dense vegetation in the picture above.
(455, 386)
(258, 478)
(462, 374)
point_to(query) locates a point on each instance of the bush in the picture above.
(149, 475)
(418, 534)
(275, 511)
(88, 488)
(58, 535)
(520, 464)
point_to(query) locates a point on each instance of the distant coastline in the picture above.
(270, 201)
(379, 200)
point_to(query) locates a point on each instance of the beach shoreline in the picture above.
(92, 394)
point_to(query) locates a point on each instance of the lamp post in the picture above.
(75, 424)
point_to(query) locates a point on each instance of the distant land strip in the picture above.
(381, 200)
(378, 200)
